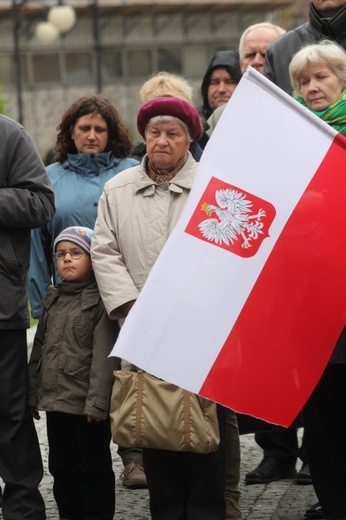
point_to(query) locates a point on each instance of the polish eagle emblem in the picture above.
(232, 220)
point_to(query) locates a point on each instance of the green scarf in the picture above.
(335, 115)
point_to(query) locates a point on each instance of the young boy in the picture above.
(71, 377)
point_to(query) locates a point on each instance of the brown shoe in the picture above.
(233, 509)
(133, 476)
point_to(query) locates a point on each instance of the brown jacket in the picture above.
(69, 368)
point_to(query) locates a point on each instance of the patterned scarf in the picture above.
(335, 115)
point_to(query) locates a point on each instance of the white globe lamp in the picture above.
(46, 32)
(63, 17)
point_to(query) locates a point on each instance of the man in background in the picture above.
(327, 20)
(254, 42)
(252, 48)
(220, 80)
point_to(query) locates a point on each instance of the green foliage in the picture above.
(3, 101)
(32, 320)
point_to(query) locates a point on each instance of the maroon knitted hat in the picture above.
(169, 106)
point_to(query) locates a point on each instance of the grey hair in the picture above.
(326, 51)
(167, 119)
(262, 25)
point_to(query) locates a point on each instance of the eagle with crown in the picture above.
(233, 219)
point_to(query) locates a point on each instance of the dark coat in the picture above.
(228, 60)
(280, 52)
(26, 201)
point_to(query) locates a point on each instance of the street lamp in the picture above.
(61, 18)
(97, 45)
(46, 32)
(17, 65)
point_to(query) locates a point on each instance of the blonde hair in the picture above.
(262, 25)
(165, 84)
(326, 51)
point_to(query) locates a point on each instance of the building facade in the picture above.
(114, 46)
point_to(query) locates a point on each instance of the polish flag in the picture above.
(248, 297)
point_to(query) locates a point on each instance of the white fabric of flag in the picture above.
(262, 156)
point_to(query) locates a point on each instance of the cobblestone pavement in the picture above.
(282, 500)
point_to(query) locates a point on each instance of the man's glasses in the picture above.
(75, 255)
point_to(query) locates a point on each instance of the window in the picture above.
(169, 59)
(78, 67)
(6, 69)
(138, 63)
(111, 64)
(196, 59)
(45, 68)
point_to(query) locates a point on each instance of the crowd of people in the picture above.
(79, 238)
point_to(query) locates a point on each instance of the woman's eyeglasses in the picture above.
(75, 255)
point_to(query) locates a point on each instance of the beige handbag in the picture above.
(147, 412)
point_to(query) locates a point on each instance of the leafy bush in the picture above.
(3, 101)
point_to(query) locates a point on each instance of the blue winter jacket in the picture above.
(77, 184)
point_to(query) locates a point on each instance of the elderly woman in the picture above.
(137, 212)
(318, 77)
(165, 84)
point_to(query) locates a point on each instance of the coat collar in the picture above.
(88, 291)
(333, 27)
(90, 163)
(182, 180)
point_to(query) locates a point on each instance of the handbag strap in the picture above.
(187, 411)
(140, 379)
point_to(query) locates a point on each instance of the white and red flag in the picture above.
(248, 297)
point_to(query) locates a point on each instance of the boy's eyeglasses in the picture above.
(75, 255)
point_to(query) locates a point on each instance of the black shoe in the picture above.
(314, 512)
(268, 471)
(303, 475)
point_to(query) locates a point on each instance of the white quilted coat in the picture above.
(135, 218)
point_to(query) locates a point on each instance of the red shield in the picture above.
(231, 218)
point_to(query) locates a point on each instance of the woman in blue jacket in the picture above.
(92, 146)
